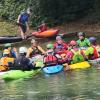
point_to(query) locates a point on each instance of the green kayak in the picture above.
(18, 74)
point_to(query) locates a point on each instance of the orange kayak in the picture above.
(46, 34)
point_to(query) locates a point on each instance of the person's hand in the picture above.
(17, 21)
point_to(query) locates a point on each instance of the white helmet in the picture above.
(22, 50)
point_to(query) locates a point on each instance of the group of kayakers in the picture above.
(60, 52)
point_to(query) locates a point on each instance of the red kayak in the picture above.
(46, 34)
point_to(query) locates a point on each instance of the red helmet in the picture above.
(73, 42)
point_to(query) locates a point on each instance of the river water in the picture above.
(70, 85)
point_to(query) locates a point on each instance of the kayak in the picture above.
(95, 62)
(46, 34)
(17, 74)
(81, 65)
(52, 69)
(11, 39)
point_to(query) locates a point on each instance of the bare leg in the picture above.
(22, 33)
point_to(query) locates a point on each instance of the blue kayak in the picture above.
(52, 69)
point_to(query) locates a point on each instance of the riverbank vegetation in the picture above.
(69, 15)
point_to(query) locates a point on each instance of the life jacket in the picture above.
(12, 53)
(6, 61)
(60, 48)
(98, 49)
(77, 57)
(50, 60)
(83, 43)
(23, 18)
(95, 54)
(42, 28)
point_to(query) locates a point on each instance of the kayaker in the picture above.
(83, 42)
(12, 50)
(60, 47)
(93, 51)
(50, 58)
(34, 50)
(21, 62)
(22, 22)
(42, 27)
(75, 55)
(6, 60)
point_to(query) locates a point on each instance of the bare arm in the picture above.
(28, 53)
(42, 51)
(18, 18)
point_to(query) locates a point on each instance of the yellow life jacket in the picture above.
(5, 60)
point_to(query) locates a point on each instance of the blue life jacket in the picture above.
(24, 18)
(59, 46)
(13, 53)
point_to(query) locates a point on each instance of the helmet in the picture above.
(50, 46)
(7, 45)
(92, 39)
(22, 50)
(33, 41)
(73, 42)
(81, 34)
(58, 38)
(6, 52)
(29, 10)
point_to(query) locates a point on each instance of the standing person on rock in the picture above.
(22, 22)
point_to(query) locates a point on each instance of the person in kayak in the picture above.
(50, 58)
(12, 50)
(93, 51)
(60, 47)
(22, 22)
(21, 62)
(75, 55)
(42, 27)
(34, 50)
(83, 42)
(6, 60)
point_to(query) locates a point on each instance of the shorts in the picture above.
(23, 27)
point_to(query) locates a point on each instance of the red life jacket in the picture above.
(94, 55)
(50, 60)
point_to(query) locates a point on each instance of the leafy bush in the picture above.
(51, 11)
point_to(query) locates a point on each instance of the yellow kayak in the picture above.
(81, 65)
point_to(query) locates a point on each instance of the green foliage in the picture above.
(51, 11)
